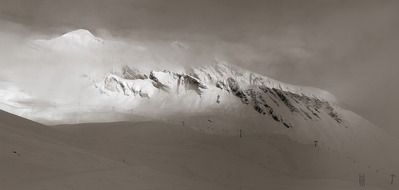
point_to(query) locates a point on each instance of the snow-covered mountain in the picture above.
(141, 88)
(215, 98)
(218, 85)
(152, 91)
(71, 41)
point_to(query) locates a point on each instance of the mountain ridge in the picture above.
(264, 94)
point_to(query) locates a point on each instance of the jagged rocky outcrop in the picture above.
(236, 90)
(269, 101)
(131, 82)
(132, 73)
(140, 87)
(267, 96)
(174, 82)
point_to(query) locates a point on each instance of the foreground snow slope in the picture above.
(166, 155)
(30, 154)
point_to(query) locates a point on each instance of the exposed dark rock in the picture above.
(132, 73)
(306, 114)
(235, 88)
(333, 114)
(218, 99)
(287, 125)
(285, 100)
(275, 118)
(112, 83)
(222, 86)
(157, 83)
(192, 83)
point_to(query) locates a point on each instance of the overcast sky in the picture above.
(349, 48)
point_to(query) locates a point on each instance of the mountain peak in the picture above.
(72, 41)
(79, 33)
(80, 36)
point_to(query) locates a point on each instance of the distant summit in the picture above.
(74, 40)
(80, 36)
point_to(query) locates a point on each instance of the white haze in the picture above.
(49, 82)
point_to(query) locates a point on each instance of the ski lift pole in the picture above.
(392, 178)
(316, 142)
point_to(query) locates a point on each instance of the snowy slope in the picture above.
(159, 155)
(32, 154)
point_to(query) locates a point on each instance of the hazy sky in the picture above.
(349, 48)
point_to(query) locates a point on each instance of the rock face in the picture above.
(266, 101)
(174, 82)
(267, 96)
(132, 74)
(138, 87)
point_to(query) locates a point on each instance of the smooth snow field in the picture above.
(179, 153)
